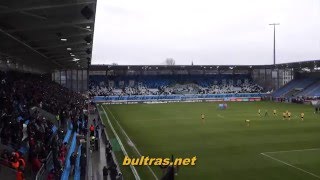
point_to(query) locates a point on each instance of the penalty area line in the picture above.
(295, 150)
(134, 146)
(290, 165)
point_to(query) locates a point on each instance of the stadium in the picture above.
(65, 117)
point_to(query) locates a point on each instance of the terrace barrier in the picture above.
(182, 98)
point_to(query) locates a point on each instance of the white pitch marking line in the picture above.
(283, 162)
(296, 150)
(130, 141)
(220, 116)
(134, 171)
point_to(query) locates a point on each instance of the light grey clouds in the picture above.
(205, 31)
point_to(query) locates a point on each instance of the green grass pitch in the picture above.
(226, 148)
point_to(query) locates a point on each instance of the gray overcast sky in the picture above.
(146, 32)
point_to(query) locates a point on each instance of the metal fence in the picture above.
(47, 165)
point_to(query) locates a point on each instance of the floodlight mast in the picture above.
(274, 41)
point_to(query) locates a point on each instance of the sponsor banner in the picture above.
(254, 99)
(213, 100)
(155, 102)
(173, 101)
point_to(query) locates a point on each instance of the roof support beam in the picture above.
(14, 10)
(81, 54)
(26, 45)
(64, 44)
(50, 26)
(54, 39)
(25, 13)
(64, 59)
(69, 57)
(23, 43)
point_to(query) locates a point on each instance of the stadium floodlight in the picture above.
(274, 41)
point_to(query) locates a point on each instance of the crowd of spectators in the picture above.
(19, 125)
(175, 89)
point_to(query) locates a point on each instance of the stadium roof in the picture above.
(295, 65)
(47, 34)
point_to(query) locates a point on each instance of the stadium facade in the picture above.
(270, 77)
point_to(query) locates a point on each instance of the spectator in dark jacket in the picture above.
(73, 158)
(83, 164)
(105, 173)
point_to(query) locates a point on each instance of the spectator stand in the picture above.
(27, 113)
(67, 168)
(76, 142)
(77, 168)
(10, 173)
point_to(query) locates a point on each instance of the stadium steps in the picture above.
(312, 90)
(77, 168)
(284, 88)
(74, 147)
(292, 93)
(294, 84)
(68, 134)
(315, 92)
(67, 167)
(65, 139)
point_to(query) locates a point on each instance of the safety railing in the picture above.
(47, 165)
